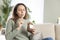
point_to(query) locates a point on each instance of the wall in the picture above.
(51, 11)
(36, 6)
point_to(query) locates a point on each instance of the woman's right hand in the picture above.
(19, 23)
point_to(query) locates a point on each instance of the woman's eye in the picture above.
(19, 10)
(23, 9)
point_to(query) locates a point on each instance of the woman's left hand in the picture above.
(33, 30)
(30, 28)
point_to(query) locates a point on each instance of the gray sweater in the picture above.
(13, 34)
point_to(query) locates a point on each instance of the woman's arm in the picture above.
(9, 33)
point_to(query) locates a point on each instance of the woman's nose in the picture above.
(21, 11)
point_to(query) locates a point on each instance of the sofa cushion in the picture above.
(57, 33)
(47, 30)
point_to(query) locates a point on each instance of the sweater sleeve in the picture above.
(9, 33)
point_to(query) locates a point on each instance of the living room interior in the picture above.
(45, 14)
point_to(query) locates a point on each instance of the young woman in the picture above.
(17, 27)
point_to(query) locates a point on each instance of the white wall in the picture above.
(36, 6)
(51, 11)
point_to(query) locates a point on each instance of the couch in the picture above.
(49, 30)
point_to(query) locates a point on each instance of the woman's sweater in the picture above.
(13, 34)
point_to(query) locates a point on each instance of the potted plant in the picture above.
(5, 8)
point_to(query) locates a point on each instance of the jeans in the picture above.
(49, 38)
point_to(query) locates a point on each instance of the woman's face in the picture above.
(21, 11)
